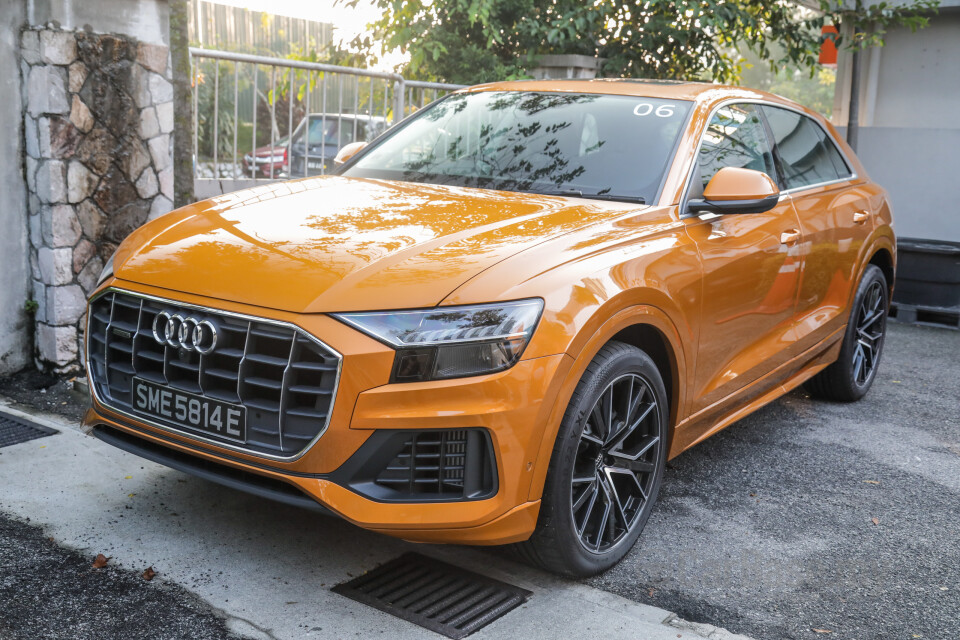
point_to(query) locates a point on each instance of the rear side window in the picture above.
(735, 137)
(807, 154)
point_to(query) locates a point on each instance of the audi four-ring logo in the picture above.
(187, 333)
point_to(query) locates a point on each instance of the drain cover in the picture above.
(14, 431)
(435, 595)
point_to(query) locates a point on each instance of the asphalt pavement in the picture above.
(54, 593)
(811, 519)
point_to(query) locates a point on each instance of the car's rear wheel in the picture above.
(606, 467)
(850, 377)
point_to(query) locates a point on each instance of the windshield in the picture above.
(614, 147)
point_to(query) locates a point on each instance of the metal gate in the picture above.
(259, 119)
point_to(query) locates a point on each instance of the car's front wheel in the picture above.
(606, 467)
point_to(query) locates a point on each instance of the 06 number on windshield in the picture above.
(645, 109)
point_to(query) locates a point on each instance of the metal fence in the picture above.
(260, 119)
(218, 26)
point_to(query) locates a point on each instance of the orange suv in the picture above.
(502, 317)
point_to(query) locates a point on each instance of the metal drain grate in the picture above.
(435, 595)
(14, 431)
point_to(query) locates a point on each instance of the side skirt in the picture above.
(784, 379)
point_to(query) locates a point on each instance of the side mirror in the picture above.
(348, 152)
(735, 190)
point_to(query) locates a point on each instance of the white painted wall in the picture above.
(14, 265)
(910, 123)
(145, 20)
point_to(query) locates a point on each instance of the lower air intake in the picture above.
(436, 465)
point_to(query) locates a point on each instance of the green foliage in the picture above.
(206, 82)
(869, 22)
(31, 306)
(814, 91)
(470, 41)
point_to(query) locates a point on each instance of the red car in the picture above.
(270, 161)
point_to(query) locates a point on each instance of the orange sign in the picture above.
(828, 48)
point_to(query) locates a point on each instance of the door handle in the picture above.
(790, 237)
(860, 217)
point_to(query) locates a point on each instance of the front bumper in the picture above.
(513, 407)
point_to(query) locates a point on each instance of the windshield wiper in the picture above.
(576, 193)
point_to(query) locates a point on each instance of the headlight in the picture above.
(107, 270)
(452, 342)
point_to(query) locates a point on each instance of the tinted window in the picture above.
(607, 145)
(735, 137)
(807, 155)
(337, 131)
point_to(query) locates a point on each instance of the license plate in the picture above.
(315, 164)
(189, 411)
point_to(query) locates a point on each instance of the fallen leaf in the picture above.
(872, 481)
(895, 381)
(753, 494)
(651, 592)
(815, 630)
(127, 477)
(875, 520)
(101, 561)
(149, 574)
(130, 495)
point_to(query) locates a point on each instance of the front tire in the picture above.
(606, 467)
(851, 376)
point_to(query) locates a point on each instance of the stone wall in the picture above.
(98, 114)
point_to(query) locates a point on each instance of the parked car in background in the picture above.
(497, 322)
(268, 161)
(312, 154)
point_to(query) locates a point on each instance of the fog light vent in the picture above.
(429, 465)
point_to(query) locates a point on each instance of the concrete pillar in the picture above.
(97, 122)
(566, 66)
(15, 320)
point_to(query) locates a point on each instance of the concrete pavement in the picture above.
(264, 568)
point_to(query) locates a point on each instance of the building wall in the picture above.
(910, 132)
(14, 268)
(144, 20)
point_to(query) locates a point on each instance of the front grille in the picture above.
(284, 377)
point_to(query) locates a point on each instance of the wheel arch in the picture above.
(652, 341)
(883, 259)
(644, 326)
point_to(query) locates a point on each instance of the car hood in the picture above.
(341, 244)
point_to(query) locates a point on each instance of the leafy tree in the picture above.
(471, 41)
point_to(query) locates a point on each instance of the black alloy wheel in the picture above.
(616, 459)
(871, 314)
(851, 376)
(606, 466)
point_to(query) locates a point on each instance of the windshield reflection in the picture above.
(582, 145)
